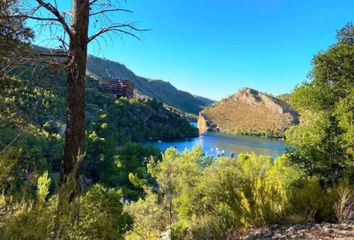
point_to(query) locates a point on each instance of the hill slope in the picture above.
(205, 100)
(161, 90)
(248, 112)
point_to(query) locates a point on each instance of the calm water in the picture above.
(214, 143)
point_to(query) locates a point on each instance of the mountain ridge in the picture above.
(248, 112)
(161, 90)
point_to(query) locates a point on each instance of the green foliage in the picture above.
(8, 160)
(125, 167)
(14, 41)
(12, 30)
(131, 171)
(98, 216)
(311, 202)
(285, 97)
(43, 186)
(101, 214)
(323, 142)
(318, 147)
(204, 201)
(251, 190)
(34, 219)
(148, 216)
(38, 152)
(139, 120)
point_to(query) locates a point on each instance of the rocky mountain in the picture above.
(163, 91)
(248, 112)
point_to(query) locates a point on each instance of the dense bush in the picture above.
(310, 202)
(97, 215)
(201, 199)
(118, 168)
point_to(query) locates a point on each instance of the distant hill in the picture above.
(161, 90)
(248, 112)
(205, 100)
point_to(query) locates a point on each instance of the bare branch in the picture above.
(92, 2)
(111, 10)
(122, 28)
(57, 14)
(65, 45)
(23, 16)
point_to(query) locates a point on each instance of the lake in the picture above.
(214, 144)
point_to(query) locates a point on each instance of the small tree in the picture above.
(323, 141)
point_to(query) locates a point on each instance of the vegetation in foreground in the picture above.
(202, 199)
(187, 195)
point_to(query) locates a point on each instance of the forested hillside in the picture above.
(158, 89)
(42, 94)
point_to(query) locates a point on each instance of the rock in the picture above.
(324, 231)
(330, 231)
(277, 236)
(205, 124)
(266, 233)
(166, 235)
(317, 227)
(345, 226)
(290, 229)
(248, 111)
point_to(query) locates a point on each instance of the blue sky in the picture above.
(213, 48)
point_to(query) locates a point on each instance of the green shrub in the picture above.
(98, 215)
(310, 202)
(204, 201)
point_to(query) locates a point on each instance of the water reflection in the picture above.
(217, 143)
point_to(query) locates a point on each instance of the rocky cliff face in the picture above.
(250, 112)
(205, 124)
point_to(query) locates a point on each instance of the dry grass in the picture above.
(239, 117)
(344, 207)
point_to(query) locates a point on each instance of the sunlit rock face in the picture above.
(248, 111)
(202, 124)
(205, 124)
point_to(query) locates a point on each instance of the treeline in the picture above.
(137, 120)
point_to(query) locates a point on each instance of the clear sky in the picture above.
(213, 48)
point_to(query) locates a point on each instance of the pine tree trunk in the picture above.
(76, 71)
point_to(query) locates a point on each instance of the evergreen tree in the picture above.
(323, 142)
